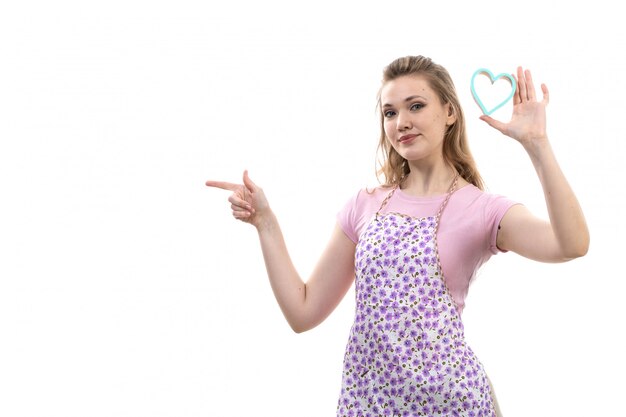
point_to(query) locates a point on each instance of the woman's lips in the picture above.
(406, 138)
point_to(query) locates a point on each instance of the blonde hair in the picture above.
(456, 150)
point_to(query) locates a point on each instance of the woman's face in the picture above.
(415, 120)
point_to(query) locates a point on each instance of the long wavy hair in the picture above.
(456, 152)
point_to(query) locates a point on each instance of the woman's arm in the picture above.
(304, 305)
(565, 236)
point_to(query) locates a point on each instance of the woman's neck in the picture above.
(428, 179)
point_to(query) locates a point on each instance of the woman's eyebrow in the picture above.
(410, 98)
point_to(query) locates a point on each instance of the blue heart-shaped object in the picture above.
(493, 79)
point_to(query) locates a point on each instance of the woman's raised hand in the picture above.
(247, 201)
(528, 122)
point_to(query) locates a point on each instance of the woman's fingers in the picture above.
(525, 87)
(243, 197)
(236, 201)
(239, 212)
(528, 119)
(546, 93)
(530, 87)
(521, 83)
(251, 186)
(516, 96)
(494, 123)
(223, 185)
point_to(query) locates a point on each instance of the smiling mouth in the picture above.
(406, 138)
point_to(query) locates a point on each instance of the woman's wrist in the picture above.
(537, 148)
(266, 221)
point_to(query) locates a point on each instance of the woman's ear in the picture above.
(451, 115)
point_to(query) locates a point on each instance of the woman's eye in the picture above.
(416, 106)
(389, 113)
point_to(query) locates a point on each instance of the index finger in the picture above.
(222, 184)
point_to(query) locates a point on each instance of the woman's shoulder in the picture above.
(370, 193)
(377, 190)
(359, 208)
(470, 191)
(363, 199)
(472, 198)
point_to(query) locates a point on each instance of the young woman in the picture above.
(413, 245)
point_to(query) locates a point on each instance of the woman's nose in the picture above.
(403, 121)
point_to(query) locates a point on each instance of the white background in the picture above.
(126, 288)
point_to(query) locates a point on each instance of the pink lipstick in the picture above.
(407, 138)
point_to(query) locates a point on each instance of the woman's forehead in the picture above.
(406, 86)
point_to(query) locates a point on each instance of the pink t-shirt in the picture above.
(467, 229)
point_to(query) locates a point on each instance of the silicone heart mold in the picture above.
(493, 79)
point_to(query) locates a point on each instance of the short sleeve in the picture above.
(494, 212)
(347, 218)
